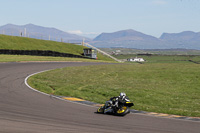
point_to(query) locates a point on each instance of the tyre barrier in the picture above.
(40, 53)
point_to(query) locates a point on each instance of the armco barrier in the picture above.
(39, 53)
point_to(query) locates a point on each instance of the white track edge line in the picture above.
(26, 79)
(82, 103)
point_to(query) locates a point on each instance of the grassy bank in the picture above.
(21, 58)
(171, 88)
(22, 43)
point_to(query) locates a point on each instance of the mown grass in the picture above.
(163, 58)
(26, 58)
(172, 88)
(22, 43)
(153, 51)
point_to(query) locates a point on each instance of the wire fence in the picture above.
(36, 35)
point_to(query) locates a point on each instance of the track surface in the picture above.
(25, 111)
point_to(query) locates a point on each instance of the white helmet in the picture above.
(122, 94)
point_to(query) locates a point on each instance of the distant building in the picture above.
(118, 51)
(136, 59)
(89, 52)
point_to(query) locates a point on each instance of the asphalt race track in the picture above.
(23, 110)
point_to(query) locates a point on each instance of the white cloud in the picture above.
(159, 2)
(79, 32)
(91, 33)
(86, 34)
(75, 32)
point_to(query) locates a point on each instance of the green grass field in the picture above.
(126, 51)
(27, 58)
(22, 43)
(172, 88)
(164, 58)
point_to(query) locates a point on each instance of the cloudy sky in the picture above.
(92, 17)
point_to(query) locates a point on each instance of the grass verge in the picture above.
(171, 88)
(22, 58)
(163, 58)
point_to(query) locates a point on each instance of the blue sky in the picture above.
(92, 17)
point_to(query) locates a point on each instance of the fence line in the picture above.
(40, 53)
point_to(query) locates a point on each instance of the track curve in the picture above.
(23, 110)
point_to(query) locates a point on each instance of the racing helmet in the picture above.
(122, 94)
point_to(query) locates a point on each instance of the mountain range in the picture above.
(134, 39)
(39, 32)
(124, 38)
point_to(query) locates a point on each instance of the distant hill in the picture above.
(125, 35)
(183, 36)
(134, 39)
(39, 32)
(126, 38)
(186, 39)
